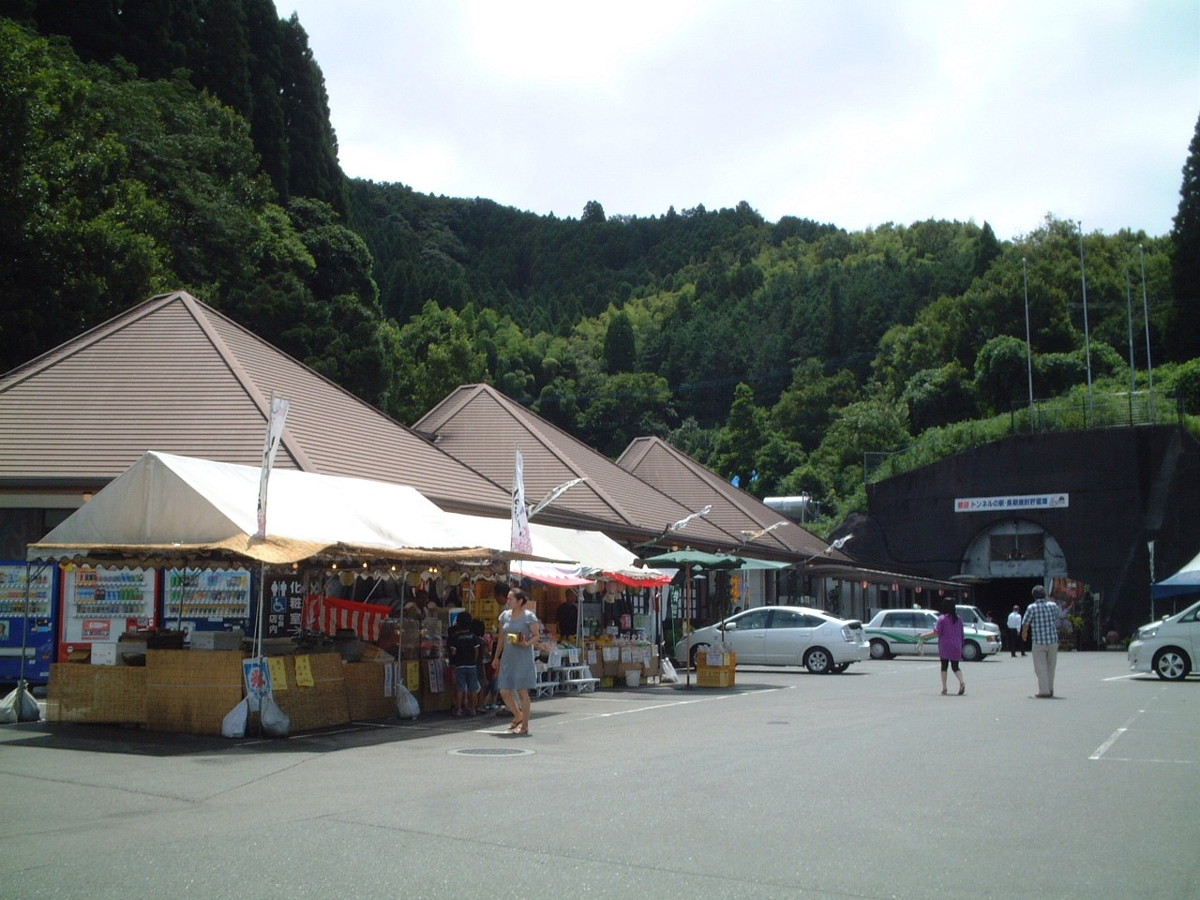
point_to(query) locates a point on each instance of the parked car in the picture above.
(783, 636)
(1170, 647)
(973, 615)
(894, 632)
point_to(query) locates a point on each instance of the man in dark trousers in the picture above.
(1014, 631)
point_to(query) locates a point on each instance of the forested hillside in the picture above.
(188, 144)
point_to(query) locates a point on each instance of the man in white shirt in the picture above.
(1014, 631)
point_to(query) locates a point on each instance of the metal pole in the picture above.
(1028, 342)
(1087, 341)
(1150, 546)
(1146, 317)
(1129, 317)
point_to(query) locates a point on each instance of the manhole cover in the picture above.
(491, 751)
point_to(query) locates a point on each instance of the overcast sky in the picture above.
(854, 112)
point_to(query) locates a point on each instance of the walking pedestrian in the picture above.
(520, 631)
(1040, 623)
(1014, 631)
(949, 632)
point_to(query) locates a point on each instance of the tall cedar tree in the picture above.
(1183, 338)
(238, 50)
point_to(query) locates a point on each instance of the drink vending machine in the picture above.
(100, 603)
(28, 620)
(207, 600)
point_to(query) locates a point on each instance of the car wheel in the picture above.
(880, 650)
(818, 661)
(838, 670)
(1171, 664)
(971, 652)
(696, 648)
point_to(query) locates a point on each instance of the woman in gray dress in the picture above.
(520, 630)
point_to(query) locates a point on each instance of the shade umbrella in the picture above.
(696, 558)
(689, 559)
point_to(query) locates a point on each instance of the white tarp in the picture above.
(579, 556)
(177, 503)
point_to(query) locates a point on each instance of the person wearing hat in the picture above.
(1014, 631)
(1040, 623)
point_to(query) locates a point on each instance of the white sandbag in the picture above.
(407, 706)
(669, 675)
(275, 722)
(19, 706)
(234, 723)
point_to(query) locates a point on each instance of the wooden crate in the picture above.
(324, 703)
(190, 691)
(84, 693)
(715, 676)
(366, 686)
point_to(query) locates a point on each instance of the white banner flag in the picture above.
(521, 541)
(279, 411)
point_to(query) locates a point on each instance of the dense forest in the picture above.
(152, 146)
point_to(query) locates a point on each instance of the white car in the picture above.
(783, 636)
(1170, 647)
(895, 632)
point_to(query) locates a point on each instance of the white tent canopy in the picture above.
(1185, 581)
(579, 556)
(176, 504)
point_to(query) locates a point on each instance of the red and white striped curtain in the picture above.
(328, 614)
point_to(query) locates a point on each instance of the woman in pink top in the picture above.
(949, 631)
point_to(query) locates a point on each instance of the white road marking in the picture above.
(1104, 748)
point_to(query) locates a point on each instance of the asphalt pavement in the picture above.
(868, 784)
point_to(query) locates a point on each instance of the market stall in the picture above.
(170, 512)
(608, 647)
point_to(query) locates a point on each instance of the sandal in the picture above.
(943, 691)
(962, 689)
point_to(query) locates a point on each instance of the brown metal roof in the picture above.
(482, 427)
(655, 461)
(174, 375)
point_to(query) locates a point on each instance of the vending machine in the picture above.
(207, 600)
(28, 620)
(100, 603)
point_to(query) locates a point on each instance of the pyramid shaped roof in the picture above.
(482, 427)
(174, 375)
(763, 530)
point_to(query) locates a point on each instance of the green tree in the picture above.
(626, 406)
(805, 410)
(939, 396)
(1001, 373)
(1183, 335)
(593, 212)
(434, 354)
(738, 442)
(619, 352)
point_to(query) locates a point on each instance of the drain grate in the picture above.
(491, 751)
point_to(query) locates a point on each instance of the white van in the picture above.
(973, 616)
(1169, 647)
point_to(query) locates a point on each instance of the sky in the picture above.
(851, 112)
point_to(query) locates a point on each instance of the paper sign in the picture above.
(412, 676)
(304, 675)
(278, 672)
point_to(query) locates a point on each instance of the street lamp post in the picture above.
(1028, 342)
